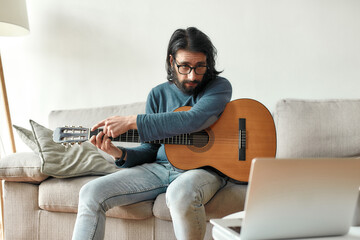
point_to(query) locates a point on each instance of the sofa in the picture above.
(39, 206)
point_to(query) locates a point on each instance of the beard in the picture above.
(188, 89)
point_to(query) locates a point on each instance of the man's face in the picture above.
(188, 82)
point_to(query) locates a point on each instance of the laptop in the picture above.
(296, 198)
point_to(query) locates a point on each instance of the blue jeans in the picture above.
(186, 194)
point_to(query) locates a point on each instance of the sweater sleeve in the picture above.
(146, 152)
(209, 106)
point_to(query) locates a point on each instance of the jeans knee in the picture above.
(182, 198)
(90, 195)
(86, 191)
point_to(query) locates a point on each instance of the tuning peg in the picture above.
(65, 145)
(79, 143)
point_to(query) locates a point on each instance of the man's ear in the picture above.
(171, 59)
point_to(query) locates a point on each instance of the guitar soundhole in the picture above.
(200, 139)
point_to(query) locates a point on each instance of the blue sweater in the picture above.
(160, 120)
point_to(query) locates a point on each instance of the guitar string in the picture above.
(176, 139)
(197, 138)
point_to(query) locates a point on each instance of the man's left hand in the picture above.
(116, 125)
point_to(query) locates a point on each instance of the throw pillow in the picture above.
(58, 161)
(27, 137)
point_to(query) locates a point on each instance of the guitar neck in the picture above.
(132, 136)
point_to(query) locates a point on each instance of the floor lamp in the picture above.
(13, 22)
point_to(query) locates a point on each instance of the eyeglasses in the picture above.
(186, 69)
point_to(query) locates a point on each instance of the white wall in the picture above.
(85, 53)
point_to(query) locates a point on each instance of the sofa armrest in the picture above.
(22, 167)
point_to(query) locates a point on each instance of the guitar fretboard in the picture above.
(132, 136)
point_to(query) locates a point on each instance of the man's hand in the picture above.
(113, 127)
(104, 143)
(116, 125)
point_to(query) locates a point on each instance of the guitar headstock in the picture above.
(71, 135)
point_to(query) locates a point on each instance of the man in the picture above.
(146, 172)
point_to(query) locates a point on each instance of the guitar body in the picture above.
(227, 138)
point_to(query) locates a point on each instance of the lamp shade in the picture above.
(13, 18)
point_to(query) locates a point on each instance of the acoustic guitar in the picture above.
(244, 131)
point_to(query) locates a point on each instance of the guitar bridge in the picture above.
(242, 139)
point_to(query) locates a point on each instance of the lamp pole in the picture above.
(6, 106)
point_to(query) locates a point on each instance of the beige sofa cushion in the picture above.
(87, 117)
(62, 195)
(22, 167)
(317, 128)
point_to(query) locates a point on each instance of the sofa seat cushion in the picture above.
(317, 128)
(62, 195)
(229, 199)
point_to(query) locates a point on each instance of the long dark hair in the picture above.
(192, 39)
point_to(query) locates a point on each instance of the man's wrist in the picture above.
(118, 154)
(121, 160)
(132, 122)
